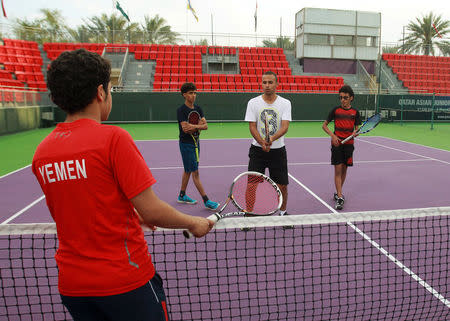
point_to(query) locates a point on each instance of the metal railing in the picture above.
(124, 68)
(386, 79)
(13, 98)
(363, 76)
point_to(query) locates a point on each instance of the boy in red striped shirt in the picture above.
(346, 122)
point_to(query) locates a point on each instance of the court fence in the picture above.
(25, 110)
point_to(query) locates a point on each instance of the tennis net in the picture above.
(387, 265)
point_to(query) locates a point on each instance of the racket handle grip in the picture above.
(214, 217)
(347, 139)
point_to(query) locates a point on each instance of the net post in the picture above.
(432, 111)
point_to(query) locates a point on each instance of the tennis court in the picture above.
(388, 174)
(320, 270)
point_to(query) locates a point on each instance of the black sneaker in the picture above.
(335, 197)
(286, 227)
(339, 203)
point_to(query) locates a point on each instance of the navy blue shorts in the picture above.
(147, 303)
(342, 154)
(190, 162)
(275, 160)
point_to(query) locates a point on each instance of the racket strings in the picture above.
(255, 195)
(370, 123)
(194, 118)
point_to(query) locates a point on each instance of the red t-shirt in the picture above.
(88, 173)
(345, 121)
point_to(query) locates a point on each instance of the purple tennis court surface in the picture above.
(387, 175)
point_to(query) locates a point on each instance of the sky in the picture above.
(228, 18)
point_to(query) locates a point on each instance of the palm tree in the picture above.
(281, 42)
(156, 31)
(27, 30)
(201, 42)
(50, 28)
(53, 22)
(391, 49)
(82, 34)
(423, 38)
(112, 29)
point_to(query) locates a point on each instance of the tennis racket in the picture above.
(251, 193)
(194, 119)
(266, 124)
(368, 125)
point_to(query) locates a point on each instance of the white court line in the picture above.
(404, 151)
(404, 141)
(407, 270)
(297, 164)
(23, 210)
(13, 172)
(227, 139)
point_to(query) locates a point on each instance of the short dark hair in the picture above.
(346, 89)
(269, 72)
(73, 79)
(187, 86)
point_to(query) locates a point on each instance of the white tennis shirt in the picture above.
(279, 110)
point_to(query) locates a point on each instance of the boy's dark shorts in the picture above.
(189, 157)
(342, 154)
(275, 160)
(147, 302)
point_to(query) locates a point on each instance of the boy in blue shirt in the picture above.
(190, 146)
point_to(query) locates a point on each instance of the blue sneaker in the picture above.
(211, 205)
(186, 199)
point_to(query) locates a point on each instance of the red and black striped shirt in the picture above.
(345, 121)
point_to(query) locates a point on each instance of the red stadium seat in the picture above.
(215, 86)
(206, 86)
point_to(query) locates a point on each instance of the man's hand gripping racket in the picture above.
(251, 193)
(368, 125)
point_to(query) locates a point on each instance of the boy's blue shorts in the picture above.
(189, 157)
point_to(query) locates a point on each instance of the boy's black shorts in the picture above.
(275, 160)
(147, 302)
(342, 154)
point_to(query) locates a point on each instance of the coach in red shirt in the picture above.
(346, 122)
(93, 177)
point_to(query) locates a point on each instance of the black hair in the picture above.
(73, 79)
(346, 89)
(187, 86)
(271, 73)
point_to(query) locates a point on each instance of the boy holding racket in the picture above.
(346, 122)
(269, 152)
(94, 177)
(190, 145)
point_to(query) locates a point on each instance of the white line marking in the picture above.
(404, 141)
(297, 164)
(408, 271)
(404, 151)
(13, 172)
(23, 210)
